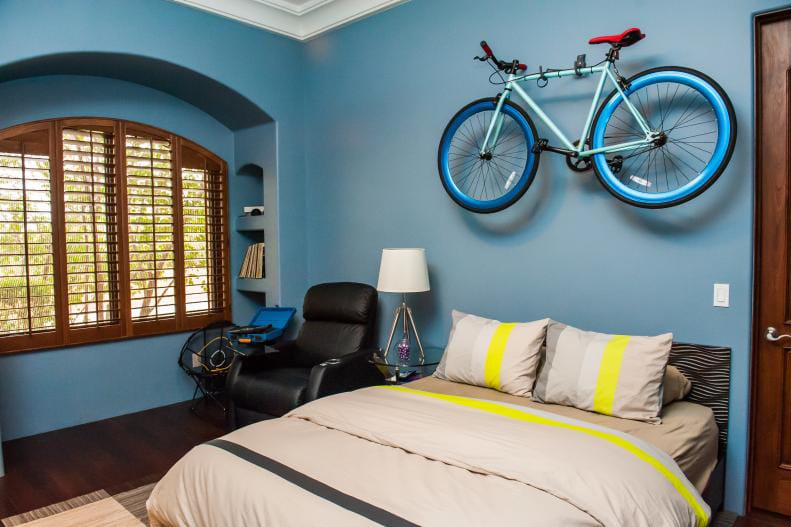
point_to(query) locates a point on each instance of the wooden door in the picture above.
(770, 475)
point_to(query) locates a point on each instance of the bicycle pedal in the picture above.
(540, 146)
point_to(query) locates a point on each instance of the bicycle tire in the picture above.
(727, 130)
(527, 176)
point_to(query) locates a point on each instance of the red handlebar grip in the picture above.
(486, 48)
(522, 67)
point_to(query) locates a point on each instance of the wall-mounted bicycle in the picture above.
(659, 139)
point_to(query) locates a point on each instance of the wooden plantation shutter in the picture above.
(27, 247)
(204, 233)
(108, 230)
(90, 218)
(151, 223)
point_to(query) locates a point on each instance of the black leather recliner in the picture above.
(330, 355)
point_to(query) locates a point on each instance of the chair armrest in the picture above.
(343, 374)
(282, 350)
(281, 358)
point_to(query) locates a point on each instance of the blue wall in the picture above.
(381, 91)
(52, 389)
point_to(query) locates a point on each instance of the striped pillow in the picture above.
(493, 354)
(614, 375)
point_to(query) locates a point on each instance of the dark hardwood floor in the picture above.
(114, 454)
(758, 519)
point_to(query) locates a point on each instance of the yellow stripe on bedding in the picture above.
(609, 370)
(494, 356)
(526, 416)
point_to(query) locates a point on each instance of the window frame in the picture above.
(63, 335)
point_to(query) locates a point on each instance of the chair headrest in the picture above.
(347, 302)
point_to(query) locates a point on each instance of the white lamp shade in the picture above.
(403, 271)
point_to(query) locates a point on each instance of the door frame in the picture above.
(759, 19)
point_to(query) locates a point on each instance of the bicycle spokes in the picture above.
(487, 176)
(688, 132)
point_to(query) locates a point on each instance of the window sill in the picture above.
(49, 341)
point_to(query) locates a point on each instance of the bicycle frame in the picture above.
(512, 85)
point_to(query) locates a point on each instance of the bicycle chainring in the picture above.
(579, 164)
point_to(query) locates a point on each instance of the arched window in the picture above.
(108, 229)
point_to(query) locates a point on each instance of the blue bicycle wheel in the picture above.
(494, 180)
(696, 129)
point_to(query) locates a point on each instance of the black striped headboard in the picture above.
(709, 370)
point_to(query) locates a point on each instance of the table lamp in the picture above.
(403, 271)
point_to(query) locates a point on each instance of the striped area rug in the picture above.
(97, 509)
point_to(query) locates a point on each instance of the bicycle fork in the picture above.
(494, 130)
(496, 124)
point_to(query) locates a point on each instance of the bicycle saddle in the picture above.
(627, 38)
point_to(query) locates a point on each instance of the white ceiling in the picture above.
(298, 19)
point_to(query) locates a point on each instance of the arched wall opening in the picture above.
(42, 391)
(225, 104)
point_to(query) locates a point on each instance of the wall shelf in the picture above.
(250, 223)
(253, 228)
(253, 285)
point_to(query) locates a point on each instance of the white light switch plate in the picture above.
(722, 295)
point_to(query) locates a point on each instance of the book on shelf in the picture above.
(253, 263)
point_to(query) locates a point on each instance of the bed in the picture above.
(435, 452)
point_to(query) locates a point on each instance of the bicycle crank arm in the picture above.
(542, 145)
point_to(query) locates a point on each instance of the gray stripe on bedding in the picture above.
(313, 486)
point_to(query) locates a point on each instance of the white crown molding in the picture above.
(300, 21)
(290, 7)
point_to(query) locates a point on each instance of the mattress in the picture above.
(688, 432)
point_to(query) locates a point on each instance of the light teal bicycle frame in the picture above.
(495, 126)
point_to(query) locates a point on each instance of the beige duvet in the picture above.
(688, 432)
(397, 456)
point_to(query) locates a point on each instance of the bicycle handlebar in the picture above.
(487, 49)
(501, 64)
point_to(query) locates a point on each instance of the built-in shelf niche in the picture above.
(255, 182)
(253, 229)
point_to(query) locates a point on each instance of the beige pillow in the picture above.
(675, 385)
(493, 354)
(618, 375)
